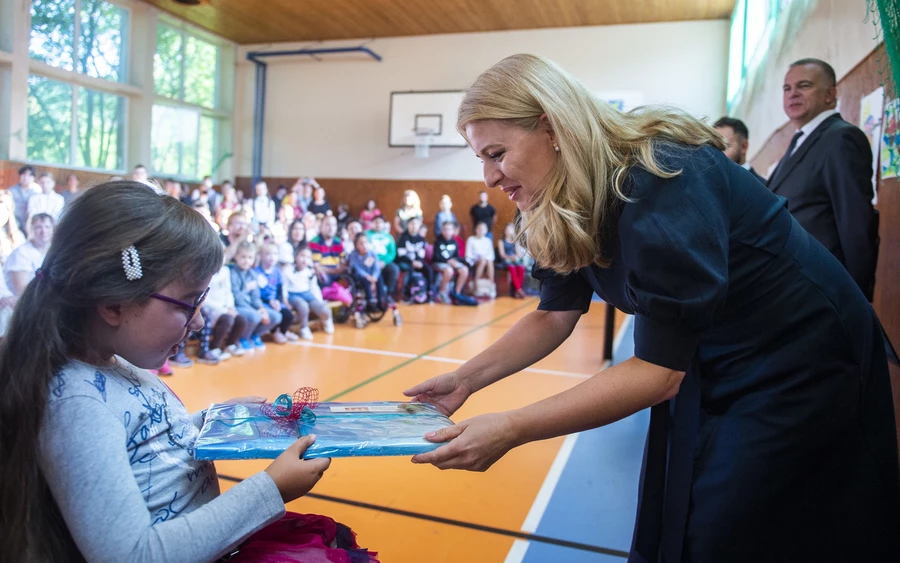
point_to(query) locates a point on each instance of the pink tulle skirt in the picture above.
(302, 538)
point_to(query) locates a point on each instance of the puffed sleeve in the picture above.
(570, 292)
(674, 241)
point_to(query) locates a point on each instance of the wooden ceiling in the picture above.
(272, 21)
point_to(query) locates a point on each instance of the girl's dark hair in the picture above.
(298, 243)
(359, 236)
(50, 326)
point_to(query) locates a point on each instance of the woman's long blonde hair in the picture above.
(598, 145)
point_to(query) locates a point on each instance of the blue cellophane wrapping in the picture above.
(242, 431)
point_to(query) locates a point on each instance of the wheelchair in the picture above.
(359, 308)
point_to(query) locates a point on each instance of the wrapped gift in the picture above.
(263, 431)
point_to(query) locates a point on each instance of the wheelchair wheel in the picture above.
(343, 312)
(376, 315)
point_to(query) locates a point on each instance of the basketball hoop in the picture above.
(424, 138)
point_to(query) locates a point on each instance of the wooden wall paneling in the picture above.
(9, 175)
(388, 194)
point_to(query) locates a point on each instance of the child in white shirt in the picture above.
(304, 295)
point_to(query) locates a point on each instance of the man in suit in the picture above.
(826, 173)
(738, 138)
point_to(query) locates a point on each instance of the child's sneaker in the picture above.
(459, 299)
(328, 327)
(235, 350)
(246, 344)
(222, 354)
(291, 337)
(361, 320)
(258, 343)
(278, 337)
(398, 320)
(165, 370)
(209, 358)
(305, 333)
(181, 360)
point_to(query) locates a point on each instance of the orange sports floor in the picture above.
(377, 363)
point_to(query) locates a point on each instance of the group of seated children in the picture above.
(250, 298)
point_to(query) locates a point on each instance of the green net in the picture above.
(885, 14)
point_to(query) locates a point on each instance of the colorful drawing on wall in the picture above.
(623, 100)
(871, 111)
(890, 148)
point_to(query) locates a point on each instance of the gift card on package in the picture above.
(264, 430)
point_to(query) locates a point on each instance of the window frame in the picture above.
(749, 61)
(217, 114)
(78, 80)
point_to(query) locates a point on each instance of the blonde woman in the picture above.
(412, 207)
(771, 431)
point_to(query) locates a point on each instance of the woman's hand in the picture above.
(476, 443)
(293, 475)
(447, 392)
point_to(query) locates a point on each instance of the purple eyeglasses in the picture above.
(193, 309)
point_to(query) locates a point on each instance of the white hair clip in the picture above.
(131, 262)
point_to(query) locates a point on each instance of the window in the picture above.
(96, 142)
(73, 121)
(752, 23)
(185, 117)
(99, 25)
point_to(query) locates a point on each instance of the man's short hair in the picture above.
(27, 168)
(826, 68)
(738, 126)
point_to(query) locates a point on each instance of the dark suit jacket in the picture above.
(828, 186)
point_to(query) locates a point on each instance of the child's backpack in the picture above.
(417, 289)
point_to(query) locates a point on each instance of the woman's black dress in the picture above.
(780, 445)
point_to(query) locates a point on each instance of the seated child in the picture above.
(247, 300)
(513, 255)
(221, 314)
(480, 254)
(100, 463)
(385, 250)
(366, 271)
(271, 291)
(447, 262)
(411, 254)
(304, 295)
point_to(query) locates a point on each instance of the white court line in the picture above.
(543, 497)
(355, 349)
(520, 547)
(433, 358)
(517, 551)
(623, 330)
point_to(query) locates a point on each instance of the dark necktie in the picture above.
(787, 155)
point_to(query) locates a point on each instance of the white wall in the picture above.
(836, 32)
(329, 118)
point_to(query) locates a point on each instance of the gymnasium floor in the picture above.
(567, 499)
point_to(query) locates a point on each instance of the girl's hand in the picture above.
(476, 444)
(264, 316)
(447, 392)
(275, 304)
(417, 265)
(293, 475)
